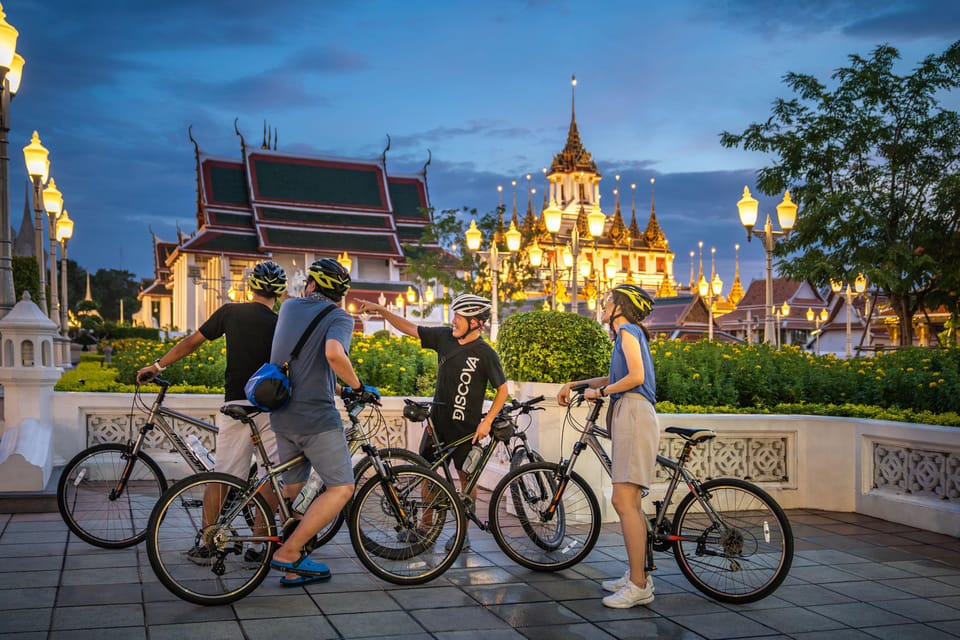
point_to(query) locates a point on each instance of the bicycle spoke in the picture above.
(212, 564)
(741, 550)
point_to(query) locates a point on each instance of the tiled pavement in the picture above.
(853, 577)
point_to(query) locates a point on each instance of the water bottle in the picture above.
(308, 493)
(206, 458)
(473, 458)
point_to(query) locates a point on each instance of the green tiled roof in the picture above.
(317, 182)
(229, 218)
(225, 183)
(323, 218)
(409, 234)
(216, 242)
(378, 244)
(408, 198)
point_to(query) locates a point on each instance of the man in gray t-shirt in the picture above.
(310, 423)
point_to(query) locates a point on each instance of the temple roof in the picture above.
(272, 202)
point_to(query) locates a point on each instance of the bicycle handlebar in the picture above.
(523, 407)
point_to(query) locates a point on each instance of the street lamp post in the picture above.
(781, 312)
(53, 203)
(710, 290)
(596, 221)
(552, 219)
(474, 239)
(37, 160)
(786, 216)
(860, 285)
(818, 319)
(11, 71)
(64, 233)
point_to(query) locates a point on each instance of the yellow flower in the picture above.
(359, 360)
(403, 368)
(696, 375)
(186, 366)
(933, 385)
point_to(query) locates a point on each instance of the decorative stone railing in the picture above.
(900, 472)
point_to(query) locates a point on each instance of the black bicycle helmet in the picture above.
(471, 306)
(268, 278)
(639, 298)
(331, 278)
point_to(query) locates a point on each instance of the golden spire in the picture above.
(736, 291)
(654, 236)
(634, 228)
(573, 157)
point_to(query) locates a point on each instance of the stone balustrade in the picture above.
(900, 472)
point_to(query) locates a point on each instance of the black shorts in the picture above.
(429, 452)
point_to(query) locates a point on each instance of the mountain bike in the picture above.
(731, 540)
(387, 503)
(505, 432)
(106, 492)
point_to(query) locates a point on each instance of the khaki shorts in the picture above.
(635, 434)
(235, 450)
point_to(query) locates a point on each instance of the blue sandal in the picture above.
(300, 581)
(304, 566)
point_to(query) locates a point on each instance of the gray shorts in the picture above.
(635, 434)
(327, 453)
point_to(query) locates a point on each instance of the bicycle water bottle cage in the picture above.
(415, 411)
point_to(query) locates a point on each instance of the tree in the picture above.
(26, 277)
(873, 164)
(109, 286)
(447, 231)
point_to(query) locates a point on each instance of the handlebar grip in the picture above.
(579, 387)
(536, 400)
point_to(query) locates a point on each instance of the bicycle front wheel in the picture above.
(91, 504)
(407, 528)
(363, 471)
(529, 533)
(218, 563)
(739, 547)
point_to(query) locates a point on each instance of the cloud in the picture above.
(933, 18)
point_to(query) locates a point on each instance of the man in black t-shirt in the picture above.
(248, 328)
(466, 365)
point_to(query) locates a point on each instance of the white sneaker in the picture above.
(615, 585)
(630, 596)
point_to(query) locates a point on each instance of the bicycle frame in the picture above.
(443, 455)
(157, 419)
(589, 439)
(274, 474)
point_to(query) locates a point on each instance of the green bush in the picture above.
(396, 366)
(114, 331)
(552, 346)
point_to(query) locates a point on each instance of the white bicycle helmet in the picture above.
(471, 306)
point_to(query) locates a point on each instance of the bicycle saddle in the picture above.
(239, 411)
(696, 435)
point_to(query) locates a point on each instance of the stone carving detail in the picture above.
(121, 428)
(921, 472)
(758, 459)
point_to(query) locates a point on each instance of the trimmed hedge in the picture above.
(552, 346)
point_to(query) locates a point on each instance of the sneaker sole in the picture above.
(628, 605)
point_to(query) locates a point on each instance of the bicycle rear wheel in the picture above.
(532, 536)
(408, 528)
(209, 565)
(90, 505)
(746, 554)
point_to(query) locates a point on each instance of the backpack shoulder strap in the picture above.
(309, 330)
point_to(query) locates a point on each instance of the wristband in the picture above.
(602, 391)
(156, 363)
